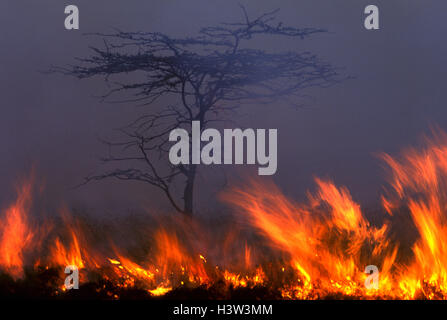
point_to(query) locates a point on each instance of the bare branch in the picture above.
(206, 77)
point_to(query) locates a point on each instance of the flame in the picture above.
(171, 256)
(317, 248)
(160, 291)
(16, 235)
(61, 256)
(323, 239)
(419, 181)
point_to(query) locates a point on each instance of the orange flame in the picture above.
(419, 180)
(324, 239)
(316, 249)
(16, 235)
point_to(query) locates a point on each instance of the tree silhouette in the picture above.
(202, 78)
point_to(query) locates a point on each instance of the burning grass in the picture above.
(271, 248)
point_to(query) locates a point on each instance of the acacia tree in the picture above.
(202, 78)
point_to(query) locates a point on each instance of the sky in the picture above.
(53, 123)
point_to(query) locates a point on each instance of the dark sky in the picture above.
(53, 122)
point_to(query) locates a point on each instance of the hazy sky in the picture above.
(53, 122)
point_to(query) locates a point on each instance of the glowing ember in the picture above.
(160, 291)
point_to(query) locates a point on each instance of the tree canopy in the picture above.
(205, 78)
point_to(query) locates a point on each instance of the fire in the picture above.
(315, 249)
(172, 256)
(160, 291)
(324, 239)
(70, 256)
(16, 235)
(419, 178)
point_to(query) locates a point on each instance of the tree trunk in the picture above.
(188, 194)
